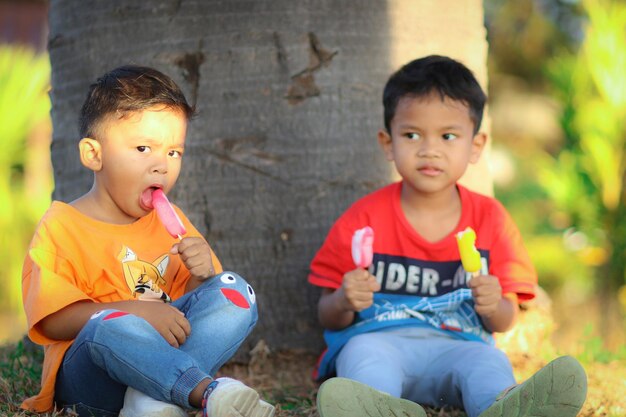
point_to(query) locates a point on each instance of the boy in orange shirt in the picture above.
(102, 271)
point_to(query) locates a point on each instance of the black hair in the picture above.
(128, 89)
(434, 73)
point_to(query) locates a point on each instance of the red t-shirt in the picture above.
(422, 283)
(498, 240)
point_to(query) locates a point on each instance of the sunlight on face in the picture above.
(140, 151)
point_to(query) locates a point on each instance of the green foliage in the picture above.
(523, 33)
(547, 251)
(567, 195)
(25, 184)
(585, 178)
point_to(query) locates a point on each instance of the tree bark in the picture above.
(288, 95)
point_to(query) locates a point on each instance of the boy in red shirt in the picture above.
(416, 328)
(102, 271)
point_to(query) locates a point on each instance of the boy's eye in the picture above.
(176, 154)
(449, 136)
(412, 135)
(143, 149)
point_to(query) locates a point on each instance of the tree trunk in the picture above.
(288, 95)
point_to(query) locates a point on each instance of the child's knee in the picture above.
(103, 324)
(103, 317)
(229, 292)
(234, 289)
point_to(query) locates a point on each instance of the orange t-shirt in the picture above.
(73, 257)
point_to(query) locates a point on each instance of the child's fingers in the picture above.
(476, 281)
(356, 295)
(483, 284)
(188, 244)
(196, 255)
(486, 309)
(202, 271)
(364, 301)
(179, 334)
(191, 246)
(374, 285)
(484, 296)
(184, 325)
(200, 264)
(195, 261)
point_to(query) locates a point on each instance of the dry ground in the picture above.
(284, 379)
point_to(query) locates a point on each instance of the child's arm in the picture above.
(498, 311)
(66, 323)
(336, 308)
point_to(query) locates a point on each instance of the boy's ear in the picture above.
(90, 153)
(384, 140)
(478, 144)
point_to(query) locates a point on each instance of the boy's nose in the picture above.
(428, 148)
(160, 166)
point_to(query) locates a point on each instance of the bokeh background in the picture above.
(557, 88)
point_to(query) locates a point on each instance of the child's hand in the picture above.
(487, 294)
(167, 320)
(358, 289)
(196, 255)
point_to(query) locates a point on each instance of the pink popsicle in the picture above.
(362, 247)
(167, 215)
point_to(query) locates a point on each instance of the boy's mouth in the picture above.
(145, 199)
(429, 171)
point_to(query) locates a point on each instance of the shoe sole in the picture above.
(558, 389)
(244, 402)
(343, 397)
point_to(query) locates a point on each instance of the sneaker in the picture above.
(343, 397)
(227, 397)
(138, 404)
(558, 389)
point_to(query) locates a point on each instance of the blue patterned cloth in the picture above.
(452, 313)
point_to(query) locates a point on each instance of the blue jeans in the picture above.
(116, 350)
(428, 367)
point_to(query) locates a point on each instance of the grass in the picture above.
(283, 378)
(20, 371)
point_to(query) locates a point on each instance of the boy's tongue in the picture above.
(146, 198)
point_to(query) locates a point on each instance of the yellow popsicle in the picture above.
(470, 257)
